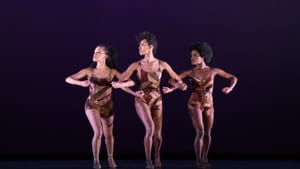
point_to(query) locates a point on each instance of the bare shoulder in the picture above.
(135, 64)
(163, 63)
(89, 71)
(186, 73)
(86, 70)
(115, 71)
(216, 70)
(82, 73)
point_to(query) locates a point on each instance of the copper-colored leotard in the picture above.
(150, 83)
(201, 92)
(100, 96)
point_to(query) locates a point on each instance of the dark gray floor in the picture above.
(139, 164)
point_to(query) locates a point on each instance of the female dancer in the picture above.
(99, 104)
(200, 103)
(149, 105)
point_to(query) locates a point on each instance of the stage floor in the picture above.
(139, 164)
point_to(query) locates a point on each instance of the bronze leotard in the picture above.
(150, 83)
(202, 92)
(100, 96)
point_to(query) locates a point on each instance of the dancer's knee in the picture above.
(200, 132)
(158, 137)
(109, 137)
(207, 134)
(149, 132)
(97, 135)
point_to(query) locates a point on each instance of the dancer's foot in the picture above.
(204, 160)
(96, 165)
(203, 164)
(157, 163)
(111, 163)
(149, 165)
(199, 164)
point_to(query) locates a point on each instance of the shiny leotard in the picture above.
(202, 92)
(100, 96)
(150, 83)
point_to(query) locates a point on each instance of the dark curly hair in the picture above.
(110, 60)
(204, 50)
(150, 38)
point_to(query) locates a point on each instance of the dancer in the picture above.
(149, 105)
(200, 103)
(99, 104)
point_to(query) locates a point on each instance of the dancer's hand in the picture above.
(139, 94)
(85, 83)
(166, 90)
(182, 86)
(226, 90)
(116, 85)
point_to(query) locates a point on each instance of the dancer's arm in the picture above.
(226, 75)
(74, 79)
(176, 85)
(125, 85)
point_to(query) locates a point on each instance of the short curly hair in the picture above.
(204, 50)
(150, 38)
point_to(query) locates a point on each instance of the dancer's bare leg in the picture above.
(197, 121)
(208, 118)
(107, 124)
(157, 118)
(94, 118)
(144, 113)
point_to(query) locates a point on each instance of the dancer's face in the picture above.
(144, 47)
(196, 58)
(99, 54)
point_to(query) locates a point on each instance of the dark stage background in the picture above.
(42, 42)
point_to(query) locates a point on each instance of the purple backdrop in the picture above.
(42, 42)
